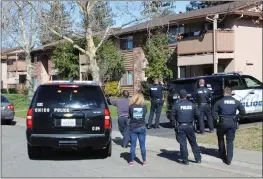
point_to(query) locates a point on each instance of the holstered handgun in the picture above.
(176, 127)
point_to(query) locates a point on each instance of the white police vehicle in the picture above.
(245, 88)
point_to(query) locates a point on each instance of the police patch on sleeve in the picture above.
(137, 113)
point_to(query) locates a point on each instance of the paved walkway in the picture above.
(244, 162)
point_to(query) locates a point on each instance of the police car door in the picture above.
(250, 97)
(252, 94)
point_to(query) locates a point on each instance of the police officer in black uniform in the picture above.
(156, 95)
(203, 97)
(182, 117)
(226, 109)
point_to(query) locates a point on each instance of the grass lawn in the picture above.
(246, 138)
(22, 103)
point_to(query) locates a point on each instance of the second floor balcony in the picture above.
(17, 66)
(224, 43)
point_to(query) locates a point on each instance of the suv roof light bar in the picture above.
(225, 73)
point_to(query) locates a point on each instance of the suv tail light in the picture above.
(29, 119)
(11, 107)
(107, 119)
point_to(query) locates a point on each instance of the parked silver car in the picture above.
(7, 110)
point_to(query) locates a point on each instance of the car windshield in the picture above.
(89, 97)
(3, 99)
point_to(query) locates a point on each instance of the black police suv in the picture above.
(246, 89)
(71, 115)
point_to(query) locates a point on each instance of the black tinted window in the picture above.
(77, 97)
(188, 85)
(234, 82)
(214, 84)
(3, 99)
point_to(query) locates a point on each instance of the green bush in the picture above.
(12, 91)
(25, 91)
(145, 86)
(111, 89)
(4, 91)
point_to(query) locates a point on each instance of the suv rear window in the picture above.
(187, 85)
(89, 97)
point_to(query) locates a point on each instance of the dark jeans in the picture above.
(123, 123)
(227, 128)
(205, 111)
(139, 133)
(156, 107)
(187, 132)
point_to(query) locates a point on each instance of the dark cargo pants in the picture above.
(123, 123)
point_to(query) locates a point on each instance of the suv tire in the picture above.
(107, 151)
(33, 152)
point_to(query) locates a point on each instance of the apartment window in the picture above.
(173, 32)
(127, 78)
(22, 79)
(127, 43)
(182, 72)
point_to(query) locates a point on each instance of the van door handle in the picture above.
(251, 92)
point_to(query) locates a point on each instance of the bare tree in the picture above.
(19, 28)
(91, 29)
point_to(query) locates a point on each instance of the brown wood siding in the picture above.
(17, 66)
(129, 88)
(197, 45)
(128, 59)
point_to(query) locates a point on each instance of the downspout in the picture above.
(215, 60)
(16, 68)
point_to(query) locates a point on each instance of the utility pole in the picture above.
(215, 60)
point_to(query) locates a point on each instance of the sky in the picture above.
(136, 6)
(127, 11)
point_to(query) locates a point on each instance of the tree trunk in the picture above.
(91, 52)
(29, 82)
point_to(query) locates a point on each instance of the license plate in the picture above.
(68, 122)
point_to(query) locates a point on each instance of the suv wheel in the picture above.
(107, 151)
(33, 152)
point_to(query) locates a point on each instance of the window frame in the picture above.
(242, 87)
(251, 77)
(127, 78)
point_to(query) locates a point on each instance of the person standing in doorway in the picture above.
(137, 113)
(122, 105)
(156, 96)
(203, 97)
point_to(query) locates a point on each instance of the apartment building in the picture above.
(223, 38)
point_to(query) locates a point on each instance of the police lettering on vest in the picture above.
(186, 107)
(229, 102)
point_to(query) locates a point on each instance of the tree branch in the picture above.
(104, 37)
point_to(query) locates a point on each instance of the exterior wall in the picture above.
(3, 74)
(248, 47)
(138, 68)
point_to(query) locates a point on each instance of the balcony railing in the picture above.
(204, 44)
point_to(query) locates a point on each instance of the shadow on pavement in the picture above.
(172, 155)
(62, 155)
(166, 125)
(209, 151)
(126, 156)
(117, 140)
(8, 123)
